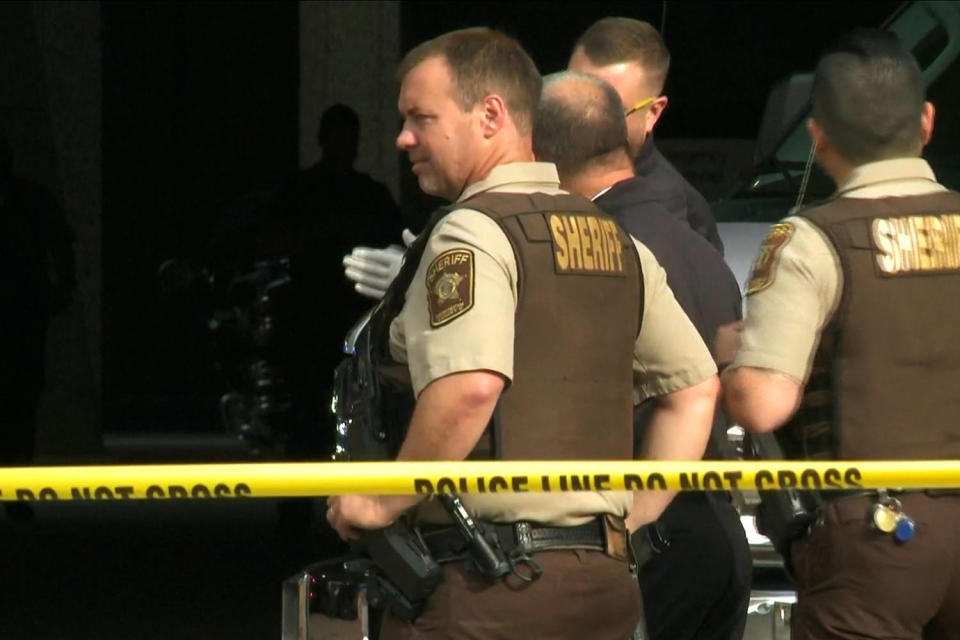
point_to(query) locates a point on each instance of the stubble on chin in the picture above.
(434, 186)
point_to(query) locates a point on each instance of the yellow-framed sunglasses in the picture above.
(640, 105)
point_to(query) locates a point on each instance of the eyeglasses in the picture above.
(640, 105)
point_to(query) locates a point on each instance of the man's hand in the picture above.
(349, 515)
(372, 270)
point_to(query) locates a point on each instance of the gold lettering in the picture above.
(573, 242)
(917, 243)
(585, 241)
(919, 227)
(556, 227)
(937, 252)
(605, 228)
(617, 247)
(952, 233)
(908, 245)
(607, 243)
(599, 253)
(882, 237)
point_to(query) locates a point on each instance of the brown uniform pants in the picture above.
(581, 594)
(857, 582)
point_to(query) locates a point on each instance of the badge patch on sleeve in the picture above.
(765, 266)
(450, 286)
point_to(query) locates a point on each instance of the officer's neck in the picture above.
(499, 154)
(836, 167)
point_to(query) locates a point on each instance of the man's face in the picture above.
(439, 138)
(633, 84)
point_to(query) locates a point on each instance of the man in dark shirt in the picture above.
(631, 56)
(699, 586)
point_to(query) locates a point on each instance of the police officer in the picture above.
(631, 56)
(849, 350)
(698, 584)
(526, 321)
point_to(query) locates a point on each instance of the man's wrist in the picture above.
(394, 506)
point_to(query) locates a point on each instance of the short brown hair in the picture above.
(868, 96)
(615, 40)
(483, 61)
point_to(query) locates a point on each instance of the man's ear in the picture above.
(655, 111)
(493, 114)
(926, 122)
(820, 142)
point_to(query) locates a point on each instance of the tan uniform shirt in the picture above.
(668, 354)
(803, 279)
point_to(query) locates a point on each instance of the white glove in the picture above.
(372, 270)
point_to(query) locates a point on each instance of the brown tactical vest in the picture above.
(580, 301)
(885, 382)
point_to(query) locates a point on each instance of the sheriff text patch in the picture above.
(585, 244)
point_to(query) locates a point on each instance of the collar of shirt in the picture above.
(600, 193)
(646, 158)
(522, 175)
(897, 177)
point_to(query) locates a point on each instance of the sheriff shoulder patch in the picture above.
(765, 266)
(450, 286)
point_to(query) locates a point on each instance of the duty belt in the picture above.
(603, 533)
(836, 494)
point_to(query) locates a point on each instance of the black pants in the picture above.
(699, 588)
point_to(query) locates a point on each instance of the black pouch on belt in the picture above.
(408, 572)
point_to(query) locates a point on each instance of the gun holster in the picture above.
(407, 572)
(787, 514)
(648, 541)
(392, 569)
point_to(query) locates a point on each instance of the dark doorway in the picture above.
(200, 106)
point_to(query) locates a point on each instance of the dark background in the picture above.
(200, 107)
(725, 55)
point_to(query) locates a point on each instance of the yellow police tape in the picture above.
(275, 480)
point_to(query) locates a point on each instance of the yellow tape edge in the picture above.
(276, 480)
